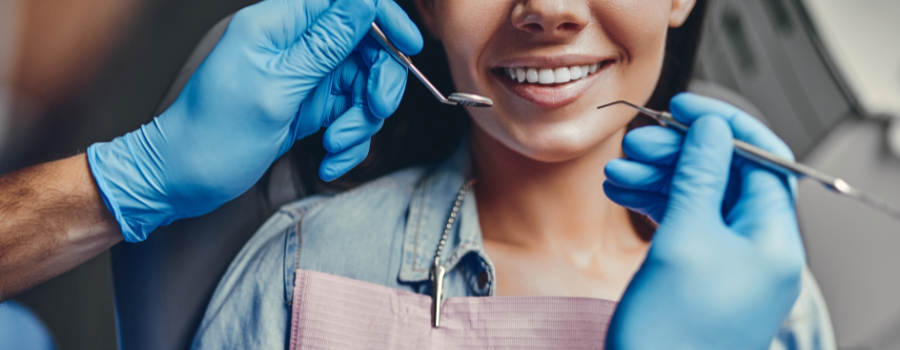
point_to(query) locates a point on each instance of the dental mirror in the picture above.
(470, 100)
(456, 98)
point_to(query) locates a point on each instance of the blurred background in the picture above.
(824, 74)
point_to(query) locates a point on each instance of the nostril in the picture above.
(551, 19)
(568, 27)
(533, 28)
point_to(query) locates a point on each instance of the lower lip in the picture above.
(555, 95)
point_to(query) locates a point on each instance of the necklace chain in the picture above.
(452, 219)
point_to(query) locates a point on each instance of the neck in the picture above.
(559, 206)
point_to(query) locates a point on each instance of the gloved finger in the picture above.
(329, 40)
(767, 195)
(350, 80)
(336, 164)
(357, 124)
(687, 107)
(398, 27)
(332, 97)
(639, 176)
(743, 125)
(651, 204)
(280, 22)
(386, 80)
(350, 129)
(653, 144)
(701, 174)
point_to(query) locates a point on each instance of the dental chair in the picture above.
(763, 56)
(769, 52)
(162, 285)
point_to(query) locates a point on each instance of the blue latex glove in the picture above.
(282, 70)
(21, 329)
(723, 270)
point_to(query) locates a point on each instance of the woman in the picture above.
(536, 220)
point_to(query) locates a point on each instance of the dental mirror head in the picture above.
(470, 100)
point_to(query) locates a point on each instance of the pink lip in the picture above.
(555, 95)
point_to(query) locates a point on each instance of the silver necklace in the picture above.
(438, 271)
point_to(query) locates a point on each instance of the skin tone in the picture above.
(540, 151)
(52, 219)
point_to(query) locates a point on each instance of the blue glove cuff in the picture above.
(124, 189)
(111, 205)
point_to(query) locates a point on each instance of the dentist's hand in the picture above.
(724, 267)
(283, 70)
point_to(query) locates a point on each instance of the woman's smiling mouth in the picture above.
(551, 87)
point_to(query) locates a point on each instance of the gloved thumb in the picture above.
(701, 174)
(328, 41)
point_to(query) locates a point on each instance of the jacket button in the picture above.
(482, 279)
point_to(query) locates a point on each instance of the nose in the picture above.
(551, 19)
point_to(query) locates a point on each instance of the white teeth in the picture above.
(575, 71)
(551, 76)
(562, 75)
(532, 75)
(545, 76)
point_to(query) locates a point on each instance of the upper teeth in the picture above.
(549, 75)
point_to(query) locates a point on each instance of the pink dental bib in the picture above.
(333, 312)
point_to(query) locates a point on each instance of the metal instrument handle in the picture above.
(406, 61)
(765, 158)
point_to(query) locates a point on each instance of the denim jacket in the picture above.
(386, 232)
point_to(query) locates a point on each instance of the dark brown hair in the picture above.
(423, 130)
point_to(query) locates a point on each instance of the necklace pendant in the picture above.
(437, 293)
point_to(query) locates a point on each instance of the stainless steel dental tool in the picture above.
(456, 98)
(774, 162)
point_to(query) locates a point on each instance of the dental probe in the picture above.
(774, 162)
(456, 98)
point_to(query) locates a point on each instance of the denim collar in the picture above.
(429, 210)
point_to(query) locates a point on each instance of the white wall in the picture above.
(864, 39)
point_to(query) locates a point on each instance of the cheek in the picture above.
(638, 27)
(466, 27)
(632, 21)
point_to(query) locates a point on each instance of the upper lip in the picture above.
(552, 61)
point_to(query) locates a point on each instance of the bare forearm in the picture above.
(52, 219)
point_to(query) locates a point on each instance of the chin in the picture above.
(556, 142)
